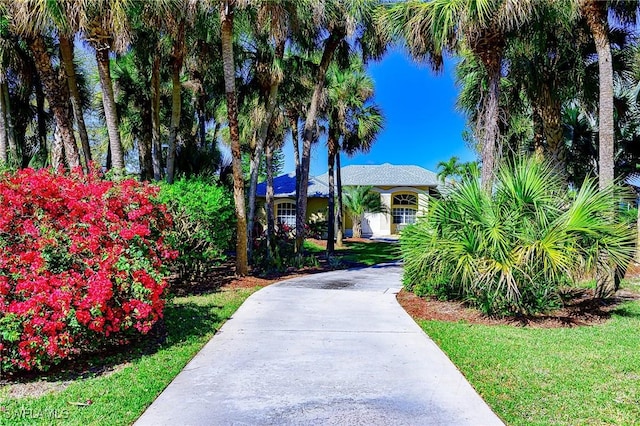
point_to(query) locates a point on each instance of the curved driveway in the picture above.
(326, 349)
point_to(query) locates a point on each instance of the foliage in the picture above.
(281, 254)
(204, 221)
(317, 226)
(80, 264)
(357, 201)
(508, 252)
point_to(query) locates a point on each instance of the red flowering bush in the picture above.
(80, 264)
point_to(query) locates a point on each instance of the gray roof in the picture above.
(386, 175)
(375, 175)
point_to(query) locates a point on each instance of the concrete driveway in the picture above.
(326, 349)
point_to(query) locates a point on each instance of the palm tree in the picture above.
(227, 9)
(429, 29)
(359, 200)
(354, 121)
(449, 168)
(596, 13)
(32, 21)
(341, 20)
(105, 26)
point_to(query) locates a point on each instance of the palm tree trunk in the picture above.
(14, 152)
(339, 208)
(271, 221)
(296, 147)
(332, 147)
(156, 151)
(357, 226)
(145, 145)
(226, 20)
(490, 131)
(595, 13)
(552, 129)
(176, 101)
(66, 52)
(58, 96)
(110, 111)
(42, 122)
(308, 134)
(256, 156)
(202, 131)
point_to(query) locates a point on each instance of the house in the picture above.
(404, 190)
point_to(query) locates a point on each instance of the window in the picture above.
(405, 200)
(404, 216)
(404, 210)
(286, 213)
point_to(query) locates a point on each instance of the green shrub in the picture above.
(509, 251)
(204, 222)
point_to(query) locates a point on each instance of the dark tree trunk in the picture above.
(295, 138)
(339, 208)
(226, 20)
(4, 141)
(335, 38)
(145, 144)
(177, 58)
(269, 210)
(553, 133)
(58, 96)
(42, 121)
(156, 144)
(66, 52)
(332, 148)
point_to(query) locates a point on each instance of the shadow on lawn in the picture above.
(182, 322)
(370, 253)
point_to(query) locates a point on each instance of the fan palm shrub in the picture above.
(508, 252)
(358, 200)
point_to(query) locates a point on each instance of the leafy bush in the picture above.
(317, 226)
(80, 264)
(204, 222)
(509, 251)
(282, 255)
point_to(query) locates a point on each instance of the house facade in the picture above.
(404, 190)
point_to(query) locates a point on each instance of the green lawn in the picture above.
(370, 253)
(569, 376)
(119, 398)
(365, 253)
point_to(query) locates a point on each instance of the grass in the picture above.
(365, 253)
(565, 376)
(120, 398)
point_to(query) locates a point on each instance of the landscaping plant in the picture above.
(509, 251)
(204, 222)
(81, 264)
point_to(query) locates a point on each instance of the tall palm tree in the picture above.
(430, 29)
(342, 21)
(349, 100)
(106, 27)
(227, 10)
(31, 20)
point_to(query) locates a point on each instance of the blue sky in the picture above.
(422, 126)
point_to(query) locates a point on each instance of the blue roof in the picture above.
(285, 186)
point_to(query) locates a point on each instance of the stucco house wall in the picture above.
(404, 191)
